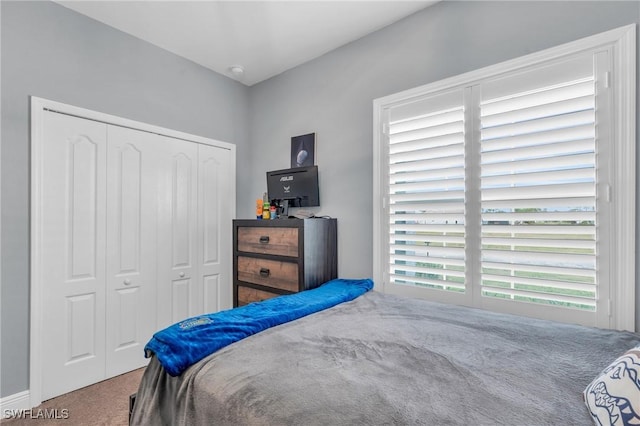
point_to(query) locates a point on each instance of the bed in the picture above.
(380, 359)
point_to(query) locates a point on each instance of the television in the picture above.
(297, 187)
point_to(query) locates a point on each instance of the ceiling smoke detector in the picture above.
(237, 70)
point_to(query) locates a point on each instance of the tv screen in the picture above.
(298, 186)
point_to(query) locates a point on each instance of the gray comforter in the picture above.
(382, 360)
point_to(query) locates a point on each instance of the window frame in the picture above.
(621, 256)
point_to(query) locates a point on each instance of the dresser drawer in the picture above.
(271, 273)
(247, 295)
(268, 240)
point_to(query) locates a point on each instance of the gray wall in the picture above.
(333, 94)
(54, 53)
(51, 52)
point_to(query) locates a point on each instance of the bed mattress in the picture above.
(382, 359)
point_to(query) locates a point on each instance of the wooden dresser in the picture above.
(282, 256)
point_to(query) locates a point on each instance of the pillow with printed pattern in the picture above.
(613, 398)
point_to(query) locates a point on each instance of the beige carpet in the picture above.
(105, 403)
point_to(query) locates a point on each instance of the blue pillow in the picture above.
(613, 398)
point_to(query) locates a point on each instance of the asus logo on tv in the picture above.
(286, 178)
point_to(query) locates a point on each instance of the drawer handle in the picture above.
(264, 272)
(264, 239)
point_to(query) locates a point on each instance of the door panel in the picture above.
(128, 306)
(180, 299)
(209, 197)
(128, 175)
(182, 217)
(215, 227)
(178, 288)
(73, 241)
(81, 196)
(131, 247)
(211, 293)
(81, 319)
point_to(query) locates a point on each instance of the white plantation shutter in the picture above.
(512, 188)
(538, 189)
(427, 193)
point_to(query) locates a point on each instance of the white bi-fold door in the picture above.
(132, 198)
(214, 219)
(194, 182)
(73, 235)
(133, 238)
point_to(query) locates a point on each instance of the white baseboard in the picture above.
(10, 404)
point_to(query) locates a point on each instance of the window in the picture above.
(512, 188)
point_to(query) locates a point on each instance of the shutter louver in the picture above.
(427, 194)
(538, 196)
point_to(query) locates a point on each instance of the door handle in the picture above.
(181, 274)
(127, 281)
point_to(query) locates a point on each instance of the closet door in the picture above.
(131, 247)
(178, 285)
(72, 253)
(131, 232)
(214, 220)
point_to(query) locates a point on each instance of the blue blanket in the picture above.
(183, 344)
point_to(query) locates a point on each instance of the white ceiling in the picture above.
(264, 37)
